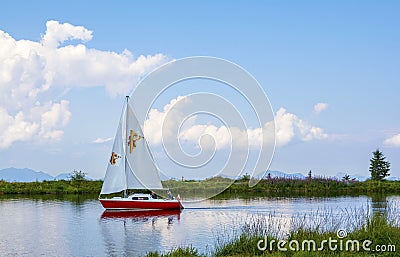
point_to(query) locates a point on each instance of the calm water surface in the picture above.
(51, 227)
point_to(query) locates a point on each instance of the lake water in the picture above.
(81, 227)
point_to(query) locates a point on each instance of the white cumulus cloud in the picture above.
(57, 33)
(393, 141)
(319, 107)
(156, 119)
(287, 127)
(33, 74)
(15, 128)
(102, 140)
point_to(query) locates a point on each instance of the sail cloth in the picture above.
(136, 168)
(139, 161)
(114, 180)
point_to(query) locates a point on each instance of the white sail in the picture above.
(131, 164)
(139, 159)
(115, 181)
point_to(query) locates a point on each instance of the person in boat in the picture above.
(170, 196)
(153, 195)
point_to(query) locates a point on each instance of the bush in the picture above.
(78, 175)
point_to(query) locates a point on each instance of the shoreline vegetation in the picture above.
(355, 225)
(57, 187)
(315, 186)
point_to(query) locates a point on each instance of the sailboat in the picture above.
(131, 166)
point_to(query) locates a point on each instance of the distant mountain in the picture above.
(338, 176)
(358, 177)
(280, 174)
(29, 175)
(63, 176)
(23, 175)
(275, 174)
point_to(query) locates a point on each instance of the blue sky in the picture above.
(345, 54)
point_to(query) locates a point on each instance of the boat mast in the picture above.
(126, 146)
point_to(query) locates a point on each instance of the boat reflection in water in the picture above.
(134, 233)
(142, 215)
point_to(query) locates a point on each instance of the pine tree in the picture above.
(379, 168)
(346, 177)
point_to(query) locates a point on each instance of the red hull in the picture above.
(124, 204)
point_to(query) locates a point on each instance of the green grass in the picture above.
(51, 187)
(179, 252)
(377, 230)
(381, 229)
(316, 186)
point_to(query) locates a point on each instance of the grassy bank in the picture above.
(51, 187)
(266, 187)
(377, 230)
(274, 186)
(383, 230)
(318, 184)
